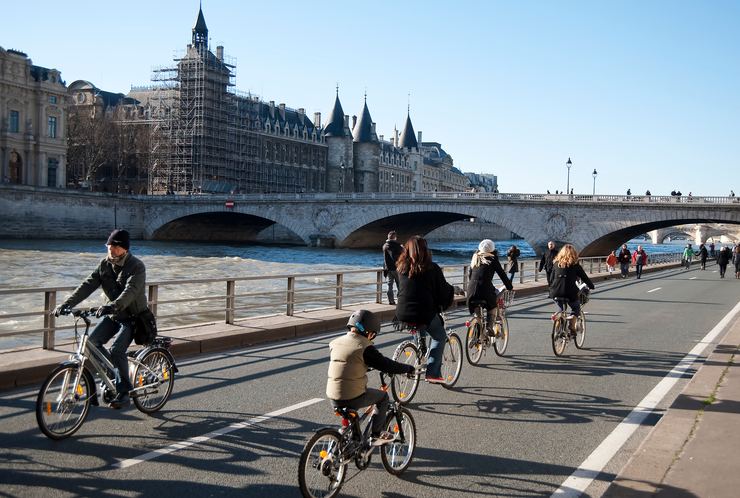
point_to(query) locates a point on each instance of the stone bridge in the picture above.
(594, 224)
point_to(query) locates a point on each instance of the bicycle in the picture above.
(415, 352)
(561, 334)
(322, 467)
(480, 337)
(65, 396)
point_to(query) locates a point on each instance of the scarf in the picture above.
(119, 261)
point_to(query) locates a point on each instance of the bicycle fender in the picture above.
(164, 351)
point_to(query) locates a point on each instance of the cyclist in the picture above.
(566, 272)
(480, 278)
(423, 293)
(350, 357)
(123, 279)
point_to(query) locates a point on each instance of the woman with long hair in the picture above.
(566, 272)
(422, 293)
(513, 255)
(480, 278)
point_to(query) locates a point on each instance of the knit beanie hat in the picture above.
(119, 238)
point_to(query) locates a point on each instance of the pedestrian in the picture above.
(732, 193)
(624, 257)
(629, 192)
(611, 262)
(639, 259)
(546, 261)
(571, 191)
(736, 260)
(703, 255)
(422, 295)
(688, 255)
(122, 277)
(548, 191)
(391, 251)
(513, 256)
(711, 250)
(647, 193)
(480, 279)
(724, 256)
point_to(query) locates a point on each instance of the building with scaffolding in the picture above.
(208, 138)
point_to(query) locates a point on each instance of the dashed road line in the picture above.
(653, 290)
(592, 466)
(130, 462)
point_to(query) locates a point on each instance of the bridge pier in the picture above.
(319, 240)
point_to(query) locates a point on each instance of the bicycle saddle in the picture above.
(345, 411)
(478, 302)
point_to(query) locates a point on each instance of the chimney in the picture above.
(381, 137)
(272, 108)
(301, 114)
(220, 52)
(346, 120)
(419, 138)
(395, 137)
(372, 128)
(282, 111)
(317, 119)
(354, 121)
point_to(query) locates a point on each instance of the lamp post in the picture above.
(567, 185)
(594, 175)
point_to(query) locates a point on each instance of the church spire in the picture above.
(335, 126)
(408, 137)
(200, 31)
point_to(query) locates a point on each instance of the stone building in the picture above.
(33, 145)
(361, 161)
(483, 182)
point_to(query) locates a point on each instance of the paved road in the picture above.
(516, 426)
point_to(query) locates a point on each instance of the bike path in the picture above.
(516, 426)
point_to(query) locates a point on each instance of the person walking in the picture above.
(422, 294)
(611, 262)
(724, 256)
(480, 279)
(391, 251)
(624, 257)
(711, 250)
(688, 255)
(703, 255)
(639, 259)
(546, 262)
(736, 258)
(513, 257)
(123, 280)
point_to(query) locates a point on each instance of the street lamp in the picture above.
(567, 185)
(594, 175)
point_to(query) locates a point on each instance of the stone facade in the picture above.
(33, 145)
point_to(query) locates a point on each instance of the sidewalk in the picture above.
(31, 366)
(694, 450)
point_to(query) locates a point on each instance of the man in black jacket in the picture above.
(391, 251)
(123, 280)
(546, 261)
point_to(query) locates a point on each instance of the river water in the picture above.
(64, 263)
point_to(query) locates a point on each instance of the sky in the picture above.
(647, 93)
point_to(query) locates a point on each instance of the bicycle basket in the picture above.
(583, 297)
(505, 298)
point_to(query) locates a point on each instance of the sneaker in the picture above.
(121, 400)
(572, 324)
(384, 437)
(435, 380)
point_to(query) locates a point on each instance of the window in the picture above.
(51, 178)
(52, 127)
(14, 121)
(52, 99)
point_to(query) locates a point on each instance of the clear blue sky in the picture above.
(645, 92)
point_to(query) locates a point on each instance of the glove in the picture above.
(62, 309)
(107, 309)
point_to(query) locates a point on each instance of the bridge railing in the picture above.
(26, 320)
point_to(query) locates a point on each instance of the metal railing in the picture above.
(178, 303)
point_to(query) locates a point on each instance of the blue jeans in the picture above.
(638, 270)
(392, 279)
(103, 332)
(575, 306)
(436, 349)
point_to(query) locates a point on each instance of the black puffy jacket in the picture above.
(480, 283)
(563, 282)
(420, 298)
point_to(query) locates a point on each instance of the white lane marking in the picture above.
(579, 480)
(692, 278)
(653, 290)
(123, 464)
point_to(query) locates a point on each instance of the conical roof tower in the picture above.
(408, 136)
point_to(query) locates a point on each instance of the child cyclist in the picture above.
(350, 357)
(565, 272)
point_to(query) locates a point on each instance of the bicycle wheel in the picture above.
(156, 378)
(63, 401)
(559, 336)
(474, 342)
(452, 360)
(320, 472)
(404, 388)
(500, 335)
(397, 455)
(580, 330)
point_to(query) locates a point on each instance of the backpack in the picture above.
(145, 328)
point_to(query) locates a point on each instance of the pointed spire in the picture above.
(408, 137)
(363, 131)
(335, 125)
(200, 31)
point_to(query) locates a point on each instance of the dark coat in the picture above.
(422, 297)
(703, 253)
(546, 261)
(723, 256)
(624, 256)
(124, 286)
(480, 283)
(391, 251)
(564, 281)
(513, 260)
